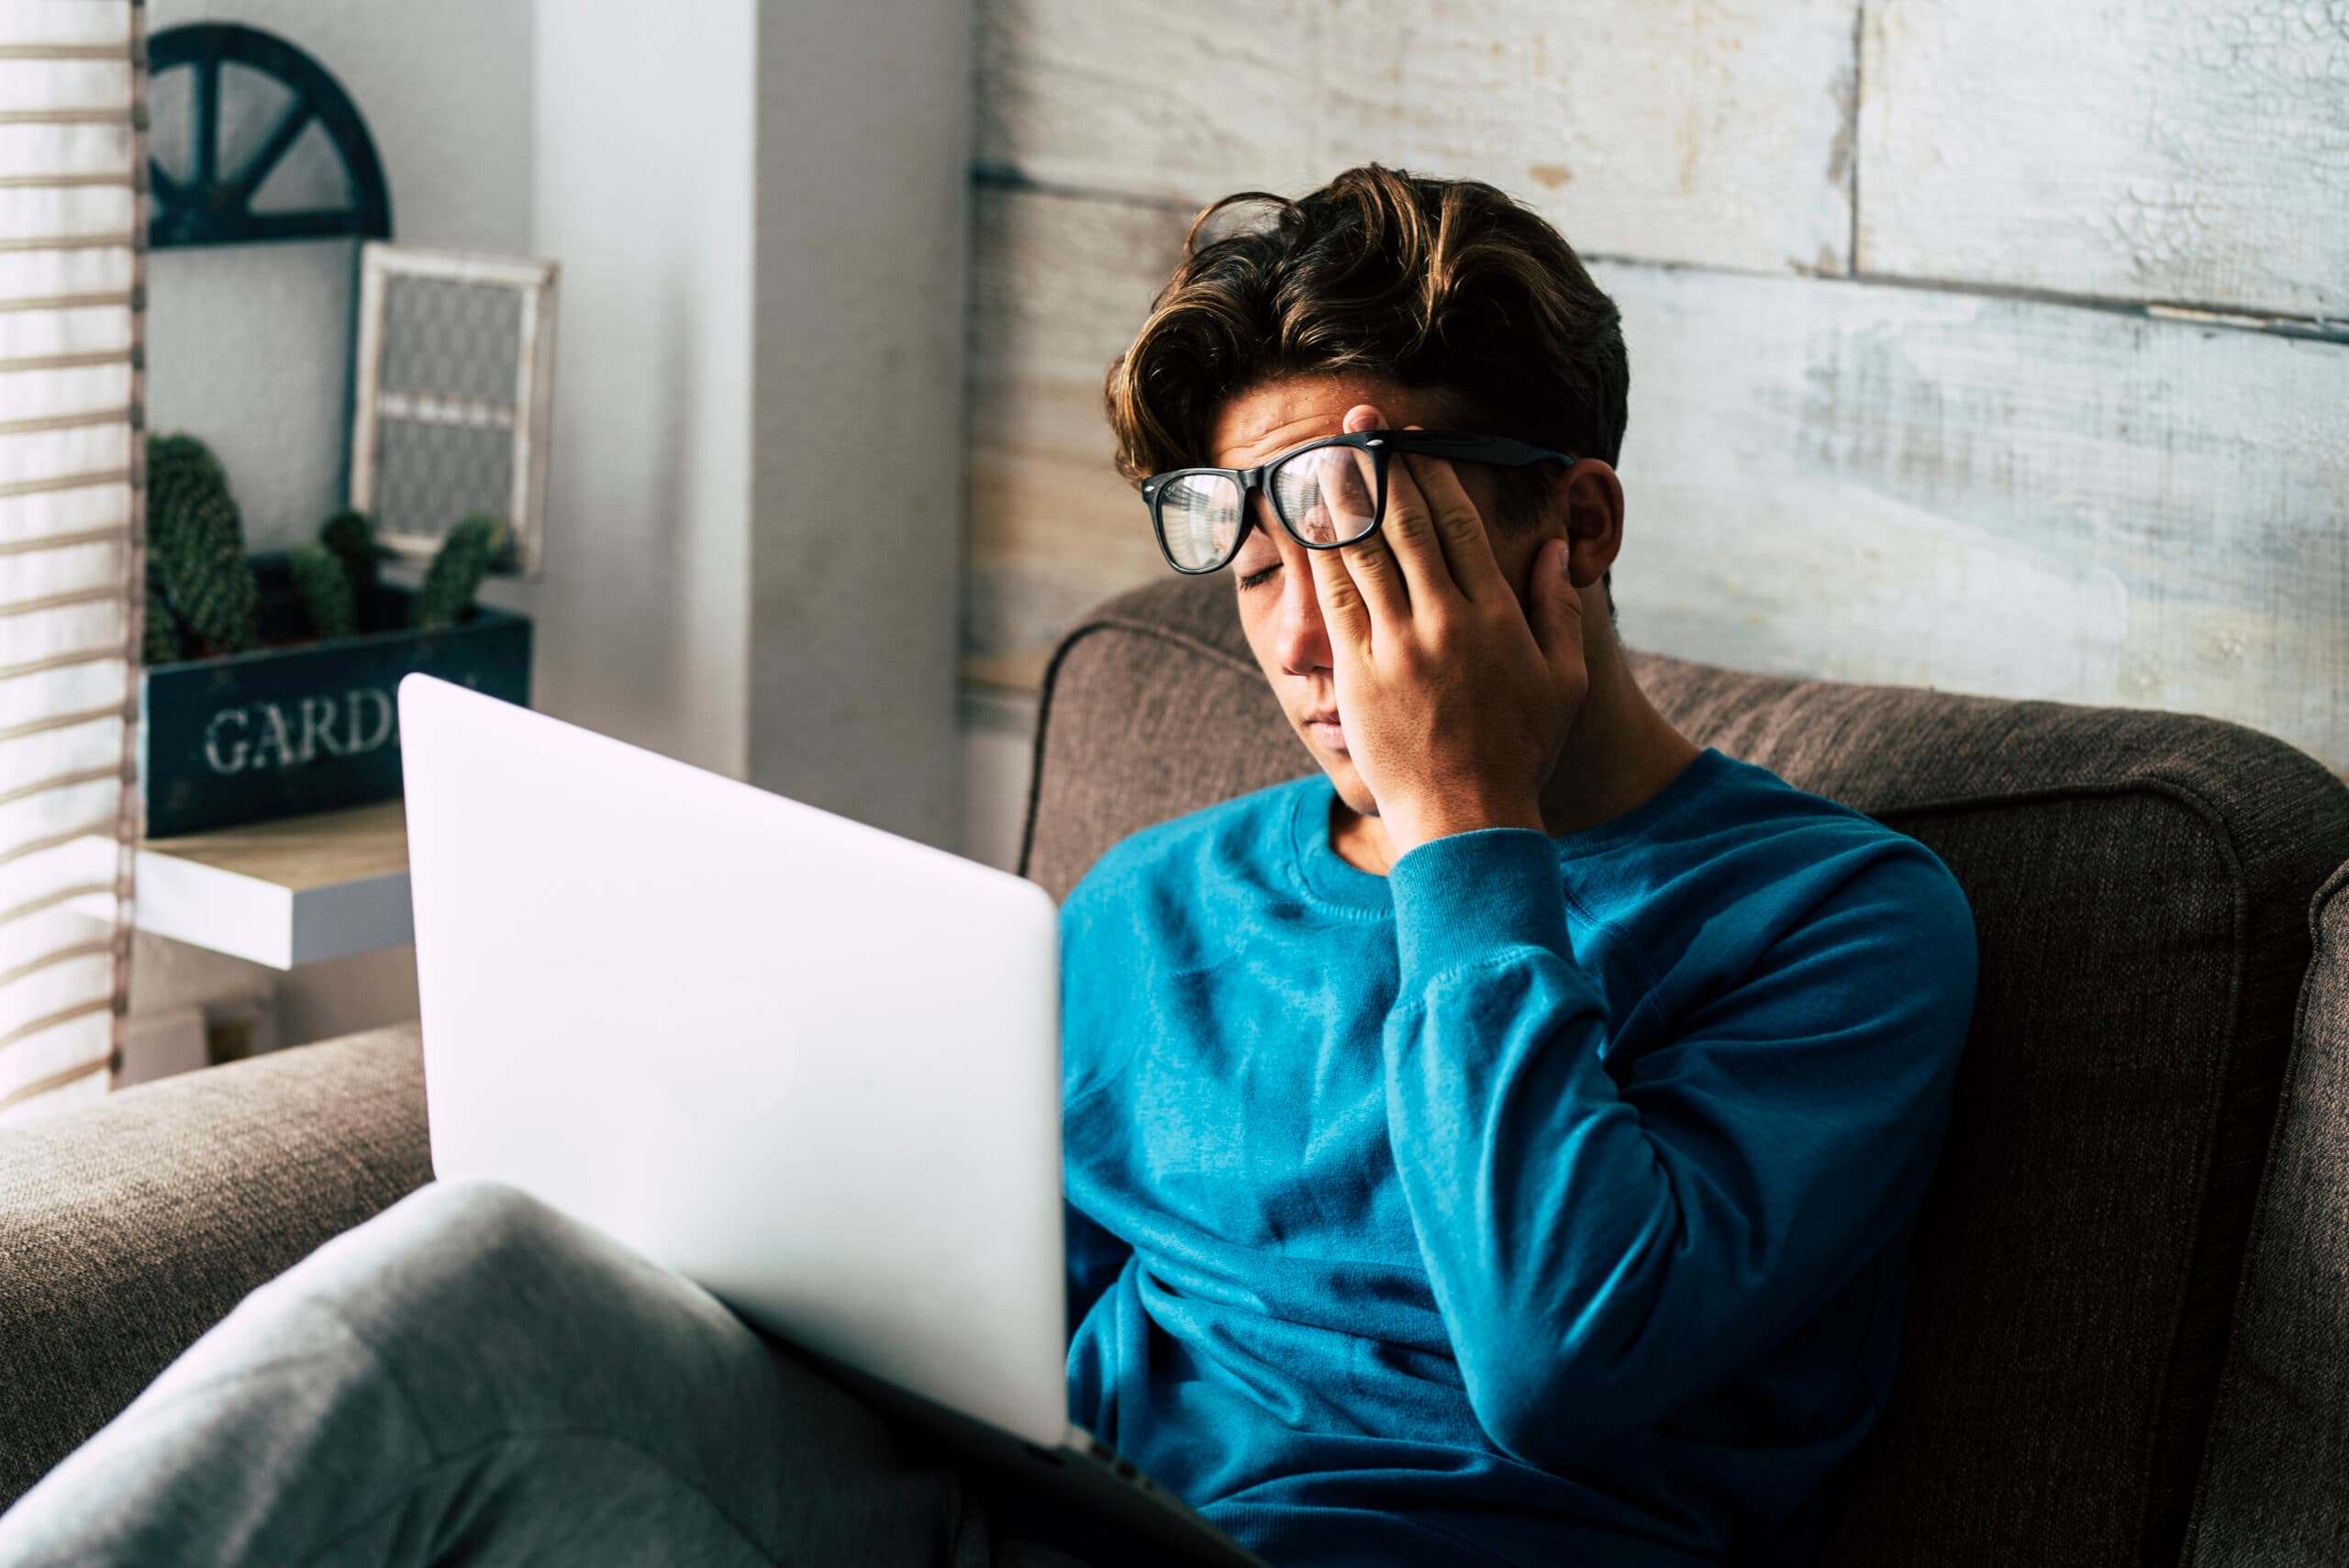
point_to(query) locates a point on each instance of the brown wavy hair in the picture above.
(1444, 285)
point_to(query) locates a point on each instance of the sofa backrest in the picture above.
(2140, 881)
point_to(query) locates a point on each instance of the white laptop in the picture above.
(810, 1065)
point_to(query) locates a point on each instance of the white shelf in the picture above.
(285, 893)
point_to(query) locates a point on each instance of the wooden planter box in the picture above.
(281, 731)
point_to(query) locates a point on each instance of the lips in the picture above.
(1328, 728)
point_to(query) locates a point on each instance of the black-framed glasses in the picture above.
(1326, 494)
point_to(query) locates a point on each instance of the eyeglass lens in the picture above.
(1327, 496)
(1199, 517)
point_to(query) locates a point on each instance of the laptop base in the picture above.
(1080, 1496)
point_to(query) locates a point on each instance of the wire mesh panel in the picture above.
(455, 360)
(72, 154)
(428, 475)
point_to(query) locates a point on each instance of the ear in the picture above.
(1590, 498)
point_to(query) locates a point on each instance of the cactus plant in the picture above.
(335, 575)
(324, 591)
(159, 644)
(456, 571)
(196, 542)
(348, 535)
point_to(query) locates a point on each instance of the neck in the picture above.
(1619, 754)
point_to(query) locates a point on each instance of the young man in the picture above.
(1501, 1146)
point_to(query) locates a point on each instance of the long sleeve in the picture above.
(1600, 1254)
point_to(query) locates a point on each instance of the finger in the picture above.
(1553, 608)
(1333, 492)
(1371, 563)
(1343, 610)
(1459, 528)
(1410, 533)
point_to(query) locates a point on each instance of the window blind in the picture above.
(72, 166)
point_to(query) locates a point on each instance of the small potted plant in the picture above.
(269, 682)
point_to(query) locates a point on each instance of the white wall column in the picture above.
(641, 176)
(864, 132)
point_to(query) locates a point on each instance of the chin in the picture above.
(1351, 789)
(1340, 765)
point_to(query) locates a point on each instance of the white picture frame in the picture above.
(526, 415)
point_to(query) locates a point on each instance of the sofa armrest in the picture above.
(131, 1225)
(2275, 1483)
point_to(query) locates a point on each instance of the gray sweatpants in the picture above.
(470, 1378)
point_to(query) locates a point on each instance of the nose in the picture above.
(1301, 640)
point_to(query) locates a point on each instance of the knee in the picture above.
(449, 1252)
(487, 1306)
(476, 1215)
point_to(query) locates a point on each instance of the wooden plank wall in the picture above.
(2003, 346)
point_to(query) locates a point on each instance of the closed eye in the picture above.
(1258, 579)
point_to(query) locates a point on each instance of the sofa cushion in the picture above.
(130, 1225)
(2275, 1488)
(2140, 881)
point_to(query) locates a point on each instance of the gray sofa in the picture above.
(2129, 1342)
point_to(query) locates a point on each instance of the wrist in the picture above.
(1409, 826)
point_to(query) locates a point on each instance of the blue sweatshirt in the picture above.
(1546, 1201)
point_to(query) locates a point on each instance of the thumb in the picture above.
(1554, 606)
